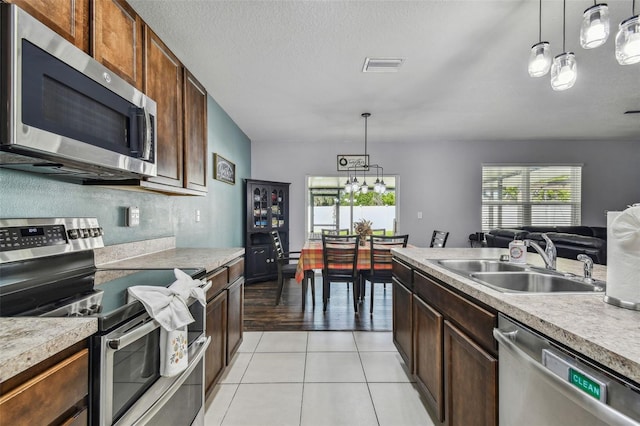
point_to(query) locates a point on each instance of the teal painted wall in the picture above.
(25, 195)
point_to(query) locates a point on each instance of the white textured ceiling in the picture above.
(290, 71)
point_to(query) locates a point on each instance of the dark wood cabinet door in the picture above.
(117, 39)
(195, 134)
(215, 357)
(403, 322)
(429, 374)
(163, 84)
(51, 397)
(235, 317)
(69, 18)
(471, 390)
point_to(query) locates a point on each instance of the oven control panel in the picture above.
(31, 236)
(28, 238)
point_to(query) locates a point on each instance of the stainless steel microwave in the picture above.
(65, 114)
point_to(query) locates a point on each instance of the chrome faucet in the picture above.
(549, 253)
(588, 267)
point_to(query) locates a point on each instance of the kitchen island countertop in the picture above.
(26, 341)
(605, 333)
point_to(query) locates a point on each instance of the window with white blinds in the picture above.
(541, 194)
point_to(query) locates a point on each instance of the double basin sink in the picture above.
(513, 278)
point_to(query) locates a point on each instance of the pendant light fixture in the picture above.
(564, 69)
(594, 30)
(352, 184)
(628, 39)
(540, 56)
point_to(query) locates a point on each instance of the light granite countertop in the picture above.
(26, 341)
(583, 322)
(208, 258)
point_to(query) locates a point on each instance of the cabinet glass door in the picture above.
(260, 208)
(277, 208)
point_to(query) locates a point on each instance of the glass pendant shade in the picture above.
(564, 71)
(355, 185)
(628, 41)
(364, 188)
(594, 30)
(539, 59)
(347, 187)
(376, 186)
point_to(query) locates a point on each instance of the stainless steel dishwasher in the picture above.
(541, 383)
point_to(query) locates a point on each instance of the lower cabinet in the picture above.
(403, 322)
(216, 355)
(454, 358)
(471, 380)
(235, 317)
(53, 392)
(225, 317)
(428, 355)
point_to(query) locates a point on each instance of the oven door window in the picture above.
(135, 368)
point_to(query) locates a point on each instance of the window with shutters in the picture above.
(531, 194)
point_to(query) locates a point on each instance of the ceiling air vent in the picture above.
(382, 64)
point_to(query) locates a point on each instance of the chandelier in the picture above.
(352, 185)
(594, 32)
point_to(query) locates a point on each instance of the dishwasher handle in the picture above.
(602, 411)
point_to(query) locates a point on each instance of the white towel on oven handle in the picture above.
(169, 305)
(173, 352)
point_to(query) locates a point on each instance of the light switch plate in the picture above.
(133, 216)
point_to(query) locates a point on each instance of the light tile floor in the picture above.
(322, 378)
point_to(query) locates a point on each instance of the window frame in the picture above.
(525, 193)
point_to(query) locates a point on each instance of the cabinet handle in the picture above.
(260, 252)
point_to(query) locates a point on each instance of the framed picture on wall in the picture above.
(348, 162)
(224, 170)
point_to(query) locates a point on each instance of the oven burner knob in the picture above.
(95, 309)
(84, 312)
(114, 343)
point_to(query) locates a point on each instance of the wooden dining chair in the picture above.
(287, 270)
(439, 239)
(380, 231)
(340, 260)
(332, 231)
(381, 260)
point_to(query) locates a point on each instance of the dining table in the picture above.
(311, 259)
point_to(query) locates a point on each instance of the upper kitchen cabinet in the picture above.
(195, 134)
(69, 18)
(163, 83)
(117, 39)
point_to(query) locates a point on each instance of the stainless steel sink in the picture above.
(535, 282)
(511, 278)
(480, 265)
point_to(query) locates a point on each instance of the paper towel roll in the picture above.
(623, 255)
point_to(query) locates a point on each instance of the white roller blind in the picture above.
(540, 194)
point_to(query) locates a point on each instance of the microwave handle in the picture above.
(148, 136)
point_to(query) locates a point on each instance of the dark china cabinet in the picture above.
(267, 209)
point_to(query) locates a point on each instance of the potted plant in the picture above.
(363, 229)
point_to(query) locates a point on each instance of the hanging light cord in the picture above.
(633, 8)
(365, 134)
(564, 24)
(540, 22)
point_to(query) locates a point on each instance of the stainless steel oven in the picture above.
(47, 269)
(127, 386)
